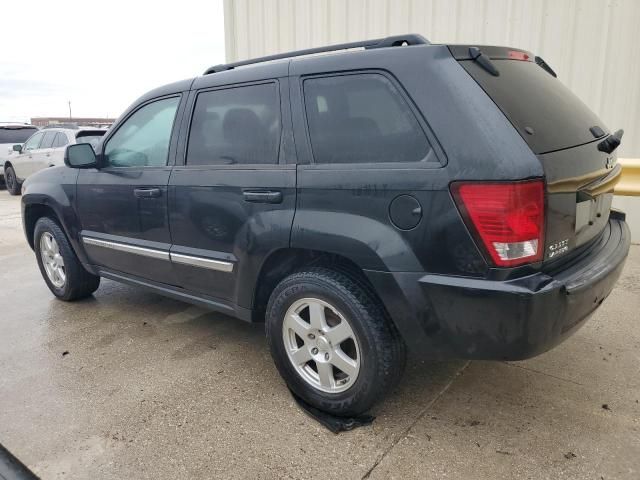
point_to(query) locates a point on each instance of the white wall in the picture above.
(593, 45)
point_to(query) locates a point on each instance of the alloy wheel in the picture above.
(321, 345)
(9, 179)
(52, 260)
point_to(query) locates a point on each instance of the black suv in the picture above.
(454, 200)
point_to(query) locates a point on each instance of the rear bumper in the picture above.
(456, 317)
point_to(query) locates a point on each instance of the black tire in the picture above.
(79, 283)
(11, 181)
(382, 350)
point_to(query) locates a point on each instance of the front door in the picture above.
(233, 200)
(23, 163)
(123, 205)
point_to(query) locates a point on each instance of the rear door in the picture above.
(43, 159)
(233, 198)
(123, 205)
(371, 182)
(564, 134)
(59, 146)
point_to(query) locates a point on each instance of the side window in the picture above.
(143, 139)
(33, 142)
(61, 140)
(47, 141)
(361, 118)
(239, 125)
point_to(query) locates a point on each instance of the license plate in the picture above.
(587, 211)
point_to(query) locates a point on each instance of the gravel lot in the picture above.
(129, 384)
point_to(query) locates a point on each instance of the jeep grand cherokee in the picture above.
(454, 200)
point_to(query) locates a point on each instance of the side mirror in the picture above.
(17, 148)
(80, 155)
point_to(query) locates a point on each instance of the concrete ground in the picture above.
(129, 384)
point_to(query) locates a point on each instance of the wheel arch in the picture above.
(283, 262)
(32, 213)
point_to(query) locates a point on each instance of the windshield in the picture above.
(16, 135)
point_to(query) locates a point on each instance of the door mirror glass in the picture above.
(80, 155)
(17, 148)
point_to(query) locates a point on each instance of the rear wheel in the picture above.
(11, 181)
(332, 341)
(62, 271)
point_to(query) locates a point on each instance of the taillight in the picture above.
(508, 218)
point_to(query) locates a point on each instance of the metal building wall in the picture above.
(593, 45)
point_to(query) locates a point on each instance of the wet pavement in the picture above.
(128, 384)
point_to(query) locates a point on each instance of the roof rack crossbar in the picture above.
(395, 41)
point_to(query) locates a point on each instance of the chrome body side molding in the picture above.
(181, 258)
(201, 262)
(123, 247)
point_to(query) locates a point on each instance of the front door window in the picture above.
(143, 139)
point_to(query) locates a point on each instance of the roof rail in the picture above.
(395, 41)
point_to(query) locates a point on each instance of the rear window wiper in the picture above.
(483, 60)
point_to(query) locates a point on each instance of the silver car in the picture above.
(44, 149)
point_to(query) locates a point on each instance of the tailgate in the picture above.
(561, 131)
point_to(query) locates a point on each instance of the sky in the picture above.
(101, 55)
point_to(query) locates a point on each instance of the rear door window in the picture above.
(361, 118)
(47, 140)
(61, 140)
(239, 125)
(15, 135)
(533, 100)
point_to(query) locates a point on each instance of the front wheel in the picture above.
(11, 181)
(62, 271)
(332, 341)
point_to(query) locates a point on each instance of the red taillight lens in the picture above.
(507, 217)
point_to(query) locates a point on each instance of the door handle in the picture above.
(147, 192)
(262, 196)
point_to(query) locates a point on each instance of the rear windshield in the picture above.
(531, 97)
(92, 138)
(15, 135)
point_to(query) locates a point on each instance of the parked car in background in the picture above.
(12, 133)
(44, 149)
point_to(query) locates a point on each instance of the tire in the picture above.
(375, 346)
(78, 283)
(11, 181)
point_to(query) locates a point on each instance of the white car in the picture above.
(44, 149)
(10, 134)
